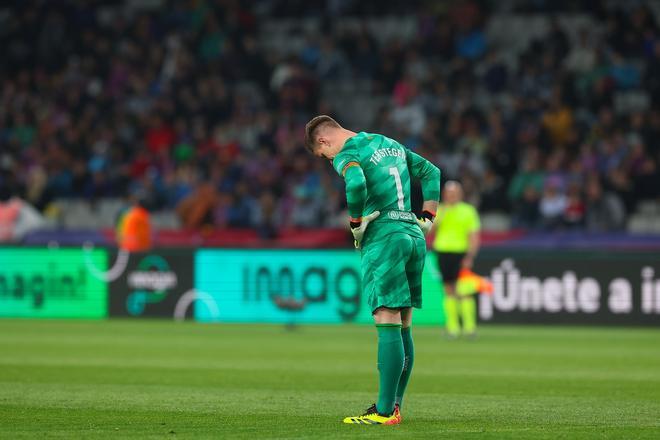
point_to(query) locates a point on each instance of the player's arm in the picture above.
(356, 190)
(356, 198)
(473, 247)
(474, 240)
(429, 177)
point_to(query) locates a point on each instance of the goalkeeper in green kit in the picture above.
(377, 172)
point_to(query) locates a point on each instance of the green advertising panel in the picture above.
(52, 283)
(312, 286)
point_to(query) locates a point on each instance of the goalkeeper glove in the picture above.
(426, 222)
(359, 226)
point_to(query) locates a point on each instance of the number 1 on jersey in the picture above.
(394, 171)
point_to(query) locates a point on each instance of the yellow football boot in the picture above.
(371, 417)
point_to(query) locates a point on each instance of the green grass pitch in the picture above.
(161, 379)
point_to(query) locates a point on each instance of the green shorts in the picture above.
(392, 271)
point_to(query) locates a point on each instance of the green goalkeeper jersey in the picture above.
(381, 181)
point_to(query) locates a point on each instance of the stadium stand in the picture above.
(548, 112)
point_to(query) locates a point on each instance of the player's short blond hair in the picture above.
(313, 127)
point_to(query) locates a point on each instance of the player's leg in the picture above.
(468, 305)
(390, 364)
(386, 286)
(390, 357)
(414, 271)
(451, 304)
(449, 265)
(408, 353)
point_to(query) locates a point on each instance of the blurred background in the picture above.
(547, 111)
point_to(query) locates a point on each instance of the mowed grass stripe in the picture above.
(547, 411)
(304, 376)
(215, 399)
(200, 417)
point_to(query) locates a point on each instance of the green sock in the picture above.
(390, 365)
(451, 315)
(409, 360)
(469, 314)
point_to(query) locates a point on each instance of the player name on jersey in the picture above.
(386, 152)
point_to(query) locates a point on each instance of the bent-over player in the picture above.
(377, 172)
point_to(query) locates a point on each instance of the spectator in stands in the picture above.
(558, 121)
(267, 216)
(604, 209)
(625, 74)
(408, 115)
(552, 206)
(525, 191)
(618, 181)
(17, 217)
(652, 74)
(646, 179)
(582, 56)
(241, 207)
(573, 216)
(196, 210)
(494, 72)
(493, 193)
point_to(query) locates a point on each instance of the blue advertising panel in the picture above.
(306, 286)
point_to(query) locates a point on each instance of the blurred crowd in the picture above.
(182, 108)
